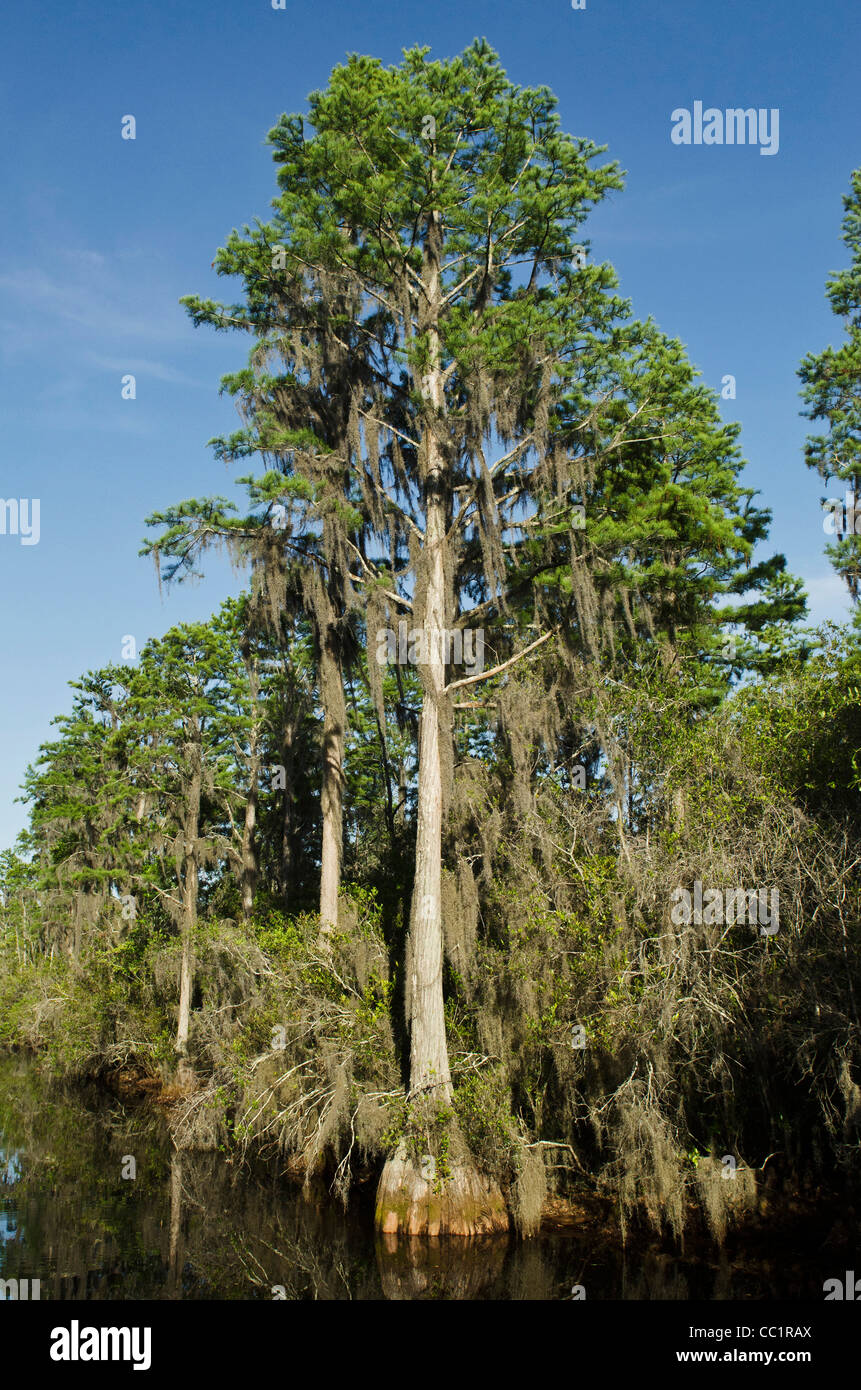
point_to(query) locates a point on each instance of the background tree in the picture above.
(177, 744)
(832, 392)
(74, 789)
(296, 397)
(21, 920)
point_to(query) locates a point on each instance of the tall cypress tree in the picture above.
(450, 200)
(457, 380)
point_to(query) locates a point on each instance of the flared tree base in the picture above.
(463, 1203)
(184, 1076)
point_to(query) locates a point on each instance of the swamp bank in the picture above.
(632, 1047)
(193, 1225)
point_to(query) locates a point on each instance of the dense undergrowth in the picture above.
(598, 1046)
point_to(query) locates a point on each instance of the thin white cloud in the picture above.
(828, 598)
(93, 258)
(145, 367)
(104, 306)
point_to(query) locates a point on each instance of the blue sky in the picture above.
(726, 248)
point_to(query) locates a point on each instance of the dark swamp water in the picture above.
(196, 1226)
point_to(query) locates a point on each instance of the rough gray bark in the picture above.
(331, 792)
(249, 846)
(189, 910)
(464, 1202)
(249, 852)
(429, 1066)
(288, 762)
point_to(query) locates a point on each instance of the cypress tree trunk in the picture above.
(429, 1068)
(189, 917)
(288, 760)
(331, 805)
(331, 794)
(415, 1197)
(76, 939)
(249, 846)
(249, 852)
(401, 809)
(669, 654)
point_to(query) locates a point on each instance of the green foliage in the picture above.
(482, 1104)
(831, 383)
(178, 809)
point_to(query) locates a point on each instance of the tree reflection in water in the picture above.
(195, 1225)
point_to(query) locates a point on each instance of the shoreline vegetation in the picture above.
(606, 1061)
(199, 1225)
(578, 927)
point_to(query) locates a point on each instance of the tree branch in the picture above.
(495, 670)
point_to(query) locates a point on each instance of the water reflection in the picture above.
(454, 1268)
(194, 1226)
